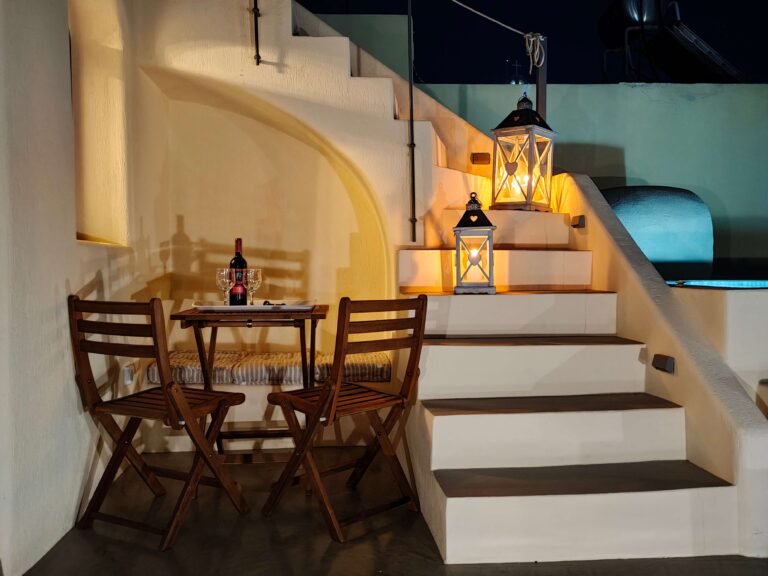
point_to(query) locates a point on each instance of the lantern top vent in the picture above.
(524, 115)
(474, 217)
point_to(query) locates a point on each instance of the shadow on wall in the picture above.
(604, 164)
(242, 167)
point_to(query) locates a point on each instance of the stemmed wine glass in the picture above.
(252, 281)
(225, 280)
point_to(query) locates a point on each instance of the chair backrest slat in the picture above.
(117, 349)
(367, 326)
(396, 338)
(115, 328)
(361, 306)
(110, 324)
(122, 308)
(380, 345)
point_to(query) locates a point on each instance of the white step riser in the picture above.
(502, 371)
(691, 522)
(516, 227)
(435, 270)
(482, 315)
(557, 438)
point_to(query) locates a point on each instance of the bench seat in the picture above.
(271, 368)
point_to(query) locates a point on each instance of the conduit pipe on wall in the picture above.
(411, 143)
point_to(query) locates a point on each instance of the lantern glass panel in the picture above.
(474, 258)
(523, 169)
(511, 168)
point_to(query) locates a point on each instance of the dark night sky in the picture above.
(453, 45)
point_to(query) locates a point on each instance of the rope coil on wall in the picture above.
(533, 40)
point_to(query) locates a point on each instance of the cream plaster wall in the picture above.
(725, 432)
(235, 176)
(459, 138)
(734, 322)
(99, 68)
(45, 438)
(306, 78)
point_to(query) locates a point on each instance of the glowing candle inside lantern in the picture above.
(474, 257)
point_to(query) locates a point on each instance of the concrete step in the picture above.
(435, 269)
(529, 366)
(624, 510)
(518, 228)
(553, 430)
(522, 313)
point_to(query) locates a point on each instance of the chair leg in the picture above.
(323, 499)
(302, 454)
(121, 449)
(301, 442)
(141, 467)
(372, 450)
(389, 452)
(189, 491)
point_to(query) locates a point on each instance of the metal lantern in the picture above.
(474, 251)
(522, 160)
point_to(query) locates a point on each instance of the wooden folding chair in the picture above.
(177, 407)
(337, 399)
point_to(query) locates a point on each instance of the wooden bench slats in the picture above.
(115, 328)
(117, 349)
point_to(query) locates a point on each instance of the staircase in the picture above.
(532, 437)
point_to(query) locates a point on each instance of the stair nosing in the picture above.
(579, 479)
(529, 340)
(561, 404)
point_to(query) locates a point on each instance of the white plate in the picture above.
(286, 306)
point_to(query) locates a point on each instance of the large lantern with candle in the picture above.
(474, 251)
(522, 160)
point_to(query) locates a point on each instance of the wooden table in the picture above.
(197, 320)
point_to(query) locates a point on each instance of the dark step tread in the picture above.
(506, 247)
(565, 290)
(557, 340)
(583, 479)
(538, 404)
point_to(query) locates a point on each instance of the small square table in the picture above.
(239, 318)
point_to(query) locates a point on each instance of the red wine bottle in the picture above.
(238, 295)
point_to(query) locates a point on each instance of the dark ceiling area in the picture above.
(588, 41)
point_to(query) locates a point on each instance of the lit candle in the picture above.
(474, 257)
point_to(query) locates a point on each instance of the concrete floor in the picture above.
(216, 540)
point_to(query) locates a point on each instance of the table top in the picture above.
(197, 316)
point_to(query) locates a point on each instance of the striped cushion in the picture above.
(269, 368)
(185, 368)
(272, 368)
(368, 367)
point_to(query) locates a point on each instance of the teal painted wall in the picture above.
(707, 138)
(703, 137)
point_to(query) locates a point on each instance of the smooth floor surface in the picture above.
(216, 540)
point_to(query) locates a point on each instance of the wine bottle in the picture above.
(238, 295)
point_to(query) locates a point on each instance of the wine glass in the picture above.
(224, 280)
(252, 281)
